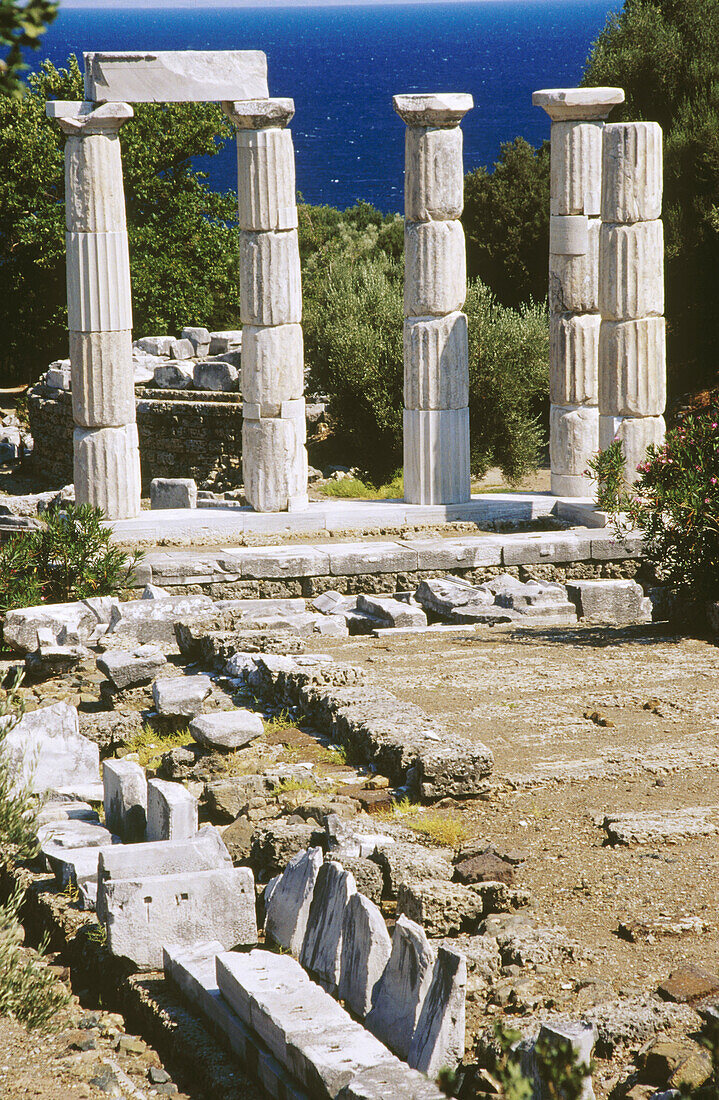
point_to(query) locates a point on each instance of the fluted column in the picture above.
(436, 360)
(632, 350)
(577, 116)
(106, 452)
(274, 457)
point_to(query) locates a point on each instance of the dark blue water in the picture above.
(341, 65)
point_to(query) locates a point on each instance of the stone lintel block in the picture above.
(272, 364)
(270, 279)
(574, 279)
(436, 362)
(632, 172)
(94, 195)
(103, 384)
(436, 109)
(433, 174)
(436, 456)
(107, 470)
(573, 438)
(635, 434)
(577, 104)
(573, 357)
(274, 462)
(632, 367)
(259, 114)
(98, 282)
(435, 279)
(84, 117)
(631, 263)
(266, 192)
(350, 558)
(175, 76)
(568, 235)
(576, 168)
(171, 811)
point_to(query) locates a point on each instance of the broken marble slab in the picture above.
(403, 987)
(46, 751)
(322, 945)
(53, 810)
(619, 602)
(364, 954)
(125, 800)
(181, 696)
(226, 730)
(393, 613)
(171, 811)
(22, 624)
(128, 668)
(454, 599)
(287, 904)
(153, 621)
(649, 826)
(391, 1081)
(439, 1038)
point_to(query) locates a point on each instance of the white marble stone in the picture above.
(568, 235)
(266, 187)
(635, 435)
(175, 76)
(94, 195)
(632, 367)
(103, 385)
(631, 266)
(125, 799)
(46, 751)
(366, 948)
(436, 456)
(436, 109)
(272, 366)
(322, 946)
(573, 358)
(274, 462)
(107, 470)
(574, 279)
(403, 987)
(98, 282)
(435, 268)
(576, 168)
(632, 172)
(571, 485)
(171, 811)
(439, 1037)
(436, 355)
(259, 114)
(433, 175)
(573, 439)
(288, 908)
(577, 104)
(270, 279)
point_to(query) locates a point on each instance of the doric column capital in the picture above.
(578, 104)
(259, 114)
(84, 118)
(438, 110)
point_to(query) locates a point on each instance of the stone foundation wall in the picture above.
(180, 436)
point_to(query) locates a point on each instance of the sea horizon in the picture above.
(342, 63)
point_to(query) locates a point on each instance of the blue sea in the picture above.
(341, 65)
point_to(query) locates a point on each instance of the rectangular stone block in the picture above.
(150, 621)
(171, 811)
(436, 362)
(103, 382)
(395, 613)
(573, 438)
(576, 168)
(142, 914)
(435, 268)
(279, 561)
(274, 462)
(436, 456)
(94, 194)
(391, 1080)
(631, 271)
(125, 799)
(107, 470)
(632, 367)
(573, 358)
(270, 278)
(266, 189)
(632, 172)
(568, 235)
(173, 492)
(467, 553)
(635, 434)
(175, 76)
(98, 282)
(349, 558)
(574, 280)
(272, 366)
(223, 342)
(433, 174)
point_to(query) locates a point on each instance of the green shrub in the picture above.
(354, 488)
(69, 558)
(676, 503)
(608, 470)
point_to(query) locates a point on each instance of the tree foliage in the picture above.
(182, 236)
(22, 25)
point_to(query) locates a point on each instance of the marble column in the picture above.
(106, 452)
(632, 350)
(577, 116)
(274, 457)
(436, 360)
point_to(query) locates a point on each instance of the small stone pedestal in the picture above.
(106, 452)
(274, 458)
(436, 359)
(577, 116)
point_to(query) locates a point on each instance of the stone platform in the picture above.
(215, 523)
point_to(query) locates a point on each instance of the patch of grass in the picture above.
(150, 745)
(434, 827)
(285, 786)
(353, 487)
(278, 723)
(332, 754)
